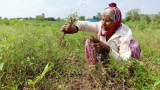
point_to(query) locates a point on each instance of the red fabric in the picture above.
(112, 5)
(117, 19)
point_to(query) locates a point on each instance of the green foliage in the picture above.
(6, 22)
(50, 19)
(127, 18)
(154, 25)
(134, 74)
(133, 15)
(94, 17)
(38, 78)
(26, 18)
(157, 18)
(27, 46)
(30, 18)
(5, 18)
(58, 19)
(1, 66)
(138, 25)
(146, 18)
(82, 18)
(5, 51)
(72, 18)
(123, 20)
(40, 18)
(99, 16)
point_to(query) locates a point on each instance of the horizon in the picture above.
(61, 8)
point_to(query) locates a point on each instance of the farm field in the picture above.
(26, 48)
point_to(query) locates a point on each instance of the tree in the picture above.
(134, 15)
(0, 17)
(94, 17)
(99, 16)
(157, 18)
(146, 18)
(40, 18)
(82, 18)
(128, 18)
(58, 19)
(30, 18)
(5, 18)
(26, 18)
(123, 20)
(50, 19)
(18, 18)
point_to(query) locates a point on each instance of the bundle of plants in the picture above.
(72, 20)
(102, 56)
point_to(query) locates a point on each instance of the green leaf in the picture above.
(11, 37)
(1, 66)
(46, 69)
(4, 42)
(156, 83)
(38, 44)
(30, 82)
(158, 59)
(158, 63)
(59, 86)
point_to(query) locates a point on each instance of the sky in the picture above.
(62, 8)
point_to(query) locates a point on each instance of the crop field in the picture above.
(32, 59)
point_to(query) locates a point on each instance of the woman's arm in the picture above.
(88, 26)
(81, 26)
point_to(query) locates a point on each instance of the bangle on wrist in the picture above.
(108, 50)
(77, 28)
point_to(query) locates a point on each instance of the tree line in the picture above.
(135, 15)
(39, 18)
(132, 15)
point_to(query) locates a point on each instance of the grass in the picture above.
(27, 47)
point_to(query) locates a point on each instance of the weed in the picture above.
(26, 50)
(72, 19)
(40, 77)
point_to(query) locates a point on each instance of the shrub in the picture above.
(146, 18)
(40, 18)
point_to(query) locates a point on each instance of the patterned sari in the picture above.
(94, 57)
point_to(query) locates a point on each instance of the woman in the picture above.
(115, 37)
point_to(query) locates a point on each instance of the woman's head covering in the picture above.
(117, 19)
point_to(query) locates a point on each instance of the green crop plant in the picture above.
(40, 77)
(25, 50)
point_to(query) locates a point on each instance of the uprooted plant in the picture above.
(72, 20)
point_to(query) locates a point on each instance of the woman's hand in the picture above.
(69, 29)
(100, 47)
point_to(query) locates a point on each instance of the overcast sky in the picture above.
(60, 8)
